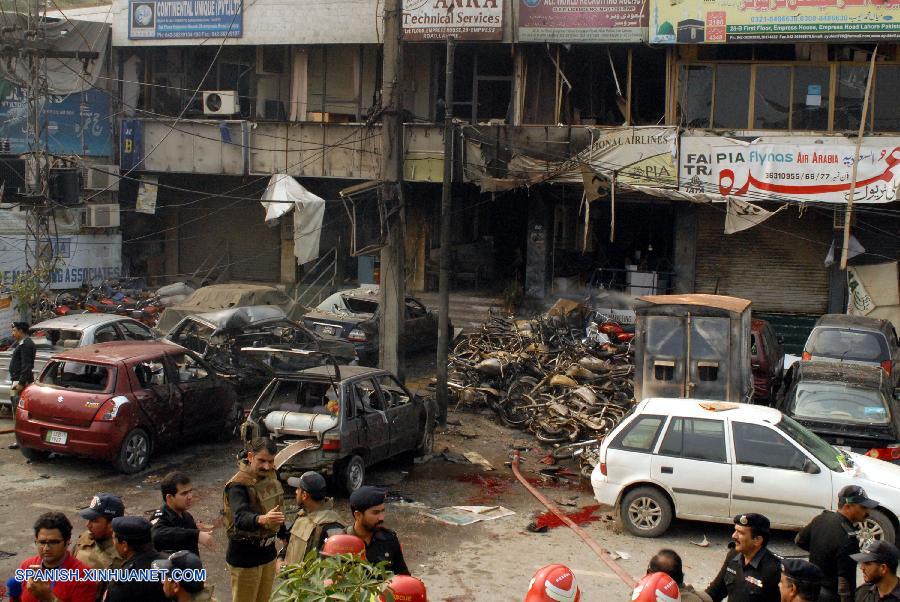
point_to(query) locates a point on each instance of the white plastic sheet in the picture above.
(284, 194)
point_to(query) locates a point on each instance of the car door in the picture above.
(375, 419)
(159, 399)
(199, 391)
(134, 331)
(418, 331)
(104, 334)
(403, 414)
(775, 477)
(629, 456)
(692, 462)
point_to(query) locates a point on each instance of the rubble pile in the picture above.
(565, 376)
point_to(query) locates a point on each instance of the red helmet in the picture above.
(656, 587)
(553, 583)
(406, 589)
(344, 543)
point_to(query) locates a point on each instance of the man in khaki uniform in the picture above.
(182, 582)
(253, 521)
(95, 545)
(316, 520)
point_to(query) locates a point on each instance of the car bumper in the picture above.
(100, 440)
(5, 390)
(606, 493)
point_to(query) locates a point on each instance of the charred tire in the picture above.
(231, 429)
(511, 414)
(522, 387)
(426, 447)
(352, 474)
(877, 526)
(134, 455)
(34, 455)
(646, 512)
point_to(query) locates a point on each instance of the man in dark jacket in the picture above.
(21, 364)
(174, 528)
(131, 535)
(751, 572)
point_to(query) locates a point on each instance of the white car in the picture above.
(711, 460)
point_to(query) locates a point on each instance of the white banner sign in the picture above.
(83, 259)
(771, 170)
(425, 20)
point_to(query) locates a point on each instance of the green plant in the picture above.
(339, 578)
(27, 287)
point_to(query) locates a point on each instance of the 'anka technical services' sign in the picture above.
(179, 19)
(464, 19)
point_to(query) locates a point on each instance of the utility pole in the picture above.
(393, 261)
(446, 206)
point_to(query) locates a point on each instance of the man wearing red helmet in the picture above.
(553, 583)
(406, 589)
(656, 587)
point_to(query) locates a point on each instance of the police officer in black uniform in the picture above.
(750, 572)
(131, 534)
(367, 506)
(878, 563)
(830, 539)
(801, 581)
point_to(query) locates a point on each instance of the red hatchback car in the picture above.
(121, 401)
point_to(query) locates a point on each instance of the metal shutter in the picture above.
(778, 265)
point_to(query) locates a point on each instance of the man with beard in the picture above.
(95, 545)
(750, 572)
(878, 563)
(367, 506)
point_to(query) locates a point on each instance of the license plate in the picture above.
(327, 330)
(58, 437)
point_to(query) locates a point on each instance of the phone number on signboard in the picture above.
(775, 175)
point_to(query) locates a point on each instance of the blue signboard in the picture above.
(172, 19)
(77, 124)
(131, 145)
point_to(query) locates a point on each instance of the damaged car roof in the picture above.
(852, 374)
(238, 318)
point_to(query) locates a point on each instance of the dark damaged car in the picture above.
(219, 336)
(336, 420)
(849, 405)
(353, 315)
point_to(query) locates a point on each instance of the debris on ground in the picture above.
(476, 458)
(548, 376)
(467, 515)
(703, 543)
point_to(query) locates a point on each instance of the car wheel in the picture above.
(877, 526)
(427, 445)
(646, 512)
(34, 455)
(232, 427)
(352, 474)
(134, 455)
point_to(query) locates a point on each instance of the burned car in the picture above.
(336, 420)
(354, 314)
(219, 336)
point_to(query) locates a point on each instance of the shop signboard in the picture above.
(83, 259)
(578, 21)
(701, 21)
(432, 20)
(801, 169)
(182, 19)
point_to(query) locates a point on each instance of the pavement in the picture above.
(490, 561)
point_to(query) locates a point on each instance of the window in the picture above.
(68, 339)
(367, 394)
(811, 89)
(708, 371)
(664, 370)
(77, 376)
(757, 445)
(641, 434)
(772, 104)
(105, 334)
(194, 336)
(732, 96)
(695, 94)
(305, 397)
(150, 373)
(135, 332)
(812, 443)
(836, 402)
(188, 368)
(886, 109)
(851, 90)
(848, 345)
(696, 439)
(392, 391)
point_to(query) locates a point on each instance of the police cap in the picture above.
(104, 505)
(854, 494)
(759, 523)
(312, 483)
(879, 551)
(365, 497)
(131, 529)
(801, 570)
(183, 560)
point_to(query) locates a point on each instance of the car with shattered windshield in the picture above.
(122, 402)
(336, 420)
(852, 406)
(353, 315)
(70, 332)
(855, 340)
(219, 336)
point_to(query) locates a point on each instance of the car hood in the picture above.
(877, 472)
(335, 317)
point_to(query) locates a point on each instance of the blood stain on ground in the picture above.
(491, 487)
(582, 516)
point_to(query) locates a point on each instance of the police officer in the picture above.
(801, 581)
(316, 520)
(132, 538)
(21, 363)
(367, 506)
(253, 521)
(174, 528)
(95, 545)
(750, 571)
(176, 586)
(878, 563)
(830, 539)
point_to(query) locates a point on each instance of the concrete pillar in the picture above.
(288, 272)
(537, 253)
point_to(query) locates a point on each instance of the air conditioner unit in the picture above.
(101, 177)
(220, 102)
(100, 216)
